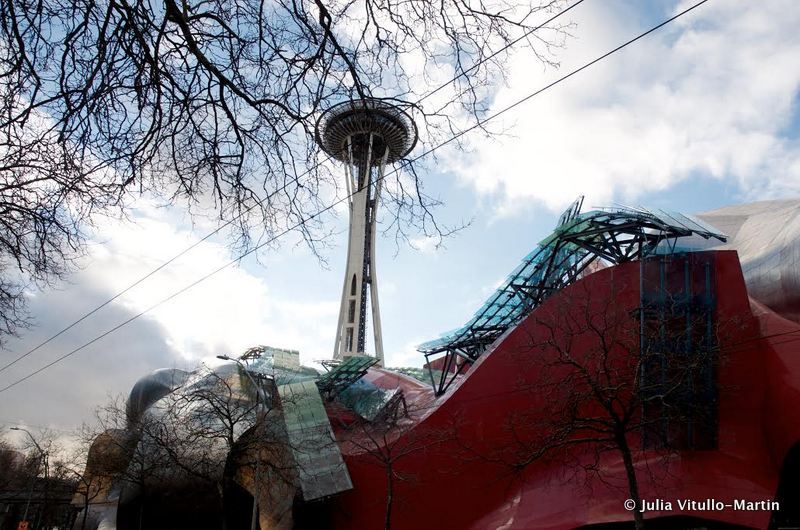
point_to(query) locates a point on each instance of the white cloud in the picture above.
(225, 314)
(228, 312)
(407, 355)
(426, 244)
(712, 95)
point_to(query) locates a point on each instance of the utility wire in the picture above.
(479, 123)
(156, 270)
(270, 195)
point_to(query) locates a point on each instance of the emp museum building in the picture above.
(634, 358)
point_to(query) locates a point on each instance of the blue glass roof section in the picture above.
(611, 234)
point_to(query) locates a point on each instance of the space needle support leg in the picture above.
(373, 290)
(366, 264)
(349, 175)
(338, 348)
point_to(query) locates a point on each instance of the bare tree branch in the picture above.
(213, 105)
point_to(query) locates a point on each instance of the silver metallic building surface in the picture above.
(766, 235)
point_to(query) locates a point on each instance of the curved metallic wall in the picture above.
(151, 388)
(767, 237)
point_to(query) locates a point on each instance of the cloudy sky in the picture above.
(700, 115)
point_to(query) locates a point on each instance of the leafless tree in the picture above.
(389, 438)
(118, 460)
(612, 378)
(113, 462)
(34, 466)
(12, 468)
(89, 487)
(213, 104)
(199, 437)
(94, 463)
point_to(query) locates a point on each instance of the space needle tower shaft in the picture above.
(365, 135)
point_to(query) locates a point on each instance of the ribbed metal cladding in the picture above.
(357, 119)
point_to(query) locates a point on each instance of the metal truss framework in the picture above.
(611, 235)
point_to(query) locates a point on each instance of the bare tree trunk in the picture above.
(221, 497)
(633, 484)
(389, 495)
(85, 510)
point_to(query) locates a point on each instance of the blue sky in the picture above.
(698, 116)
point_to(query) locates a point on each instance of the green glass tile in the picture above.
(320, 467)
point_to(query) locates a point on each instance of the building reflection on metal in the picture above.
(281, 446)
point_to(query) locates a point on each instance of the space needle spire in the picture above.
(365, 135)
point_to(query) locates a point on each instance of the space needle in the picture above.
(365, 135)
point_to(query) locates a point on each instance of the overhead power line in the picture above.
(478, 124)
(258, 202)
(492, 55)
